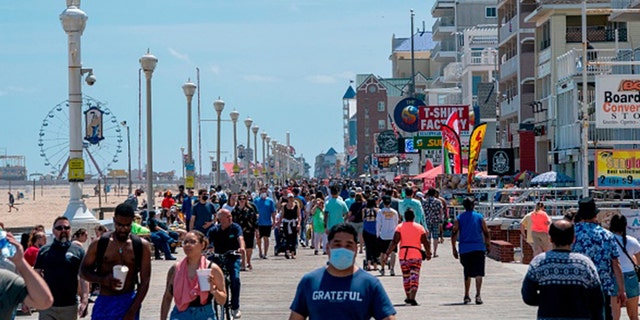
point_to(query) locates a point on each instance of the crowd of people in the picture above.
(384, 222)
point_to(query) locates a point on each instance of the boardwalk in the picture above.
(268, 290)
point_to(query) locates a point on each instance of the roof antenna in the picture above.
(423, 29)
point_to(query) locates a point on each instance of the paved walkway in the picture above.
(267, 291)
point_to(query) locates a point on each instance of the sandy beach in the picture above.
(50, 202)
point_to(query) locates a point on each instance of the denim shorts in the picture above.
(631, 286)
(203, 312)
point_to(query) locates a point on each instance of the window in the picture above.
(490, 12)
(381, 107)
(382, 124)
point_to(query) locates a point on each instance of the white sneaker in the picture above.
(236, 314)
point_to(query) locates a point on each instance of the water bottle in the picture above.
(7, 249)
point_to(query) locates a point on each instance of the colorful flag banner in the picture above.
(451, 150)
(454, 122)
(475, 144)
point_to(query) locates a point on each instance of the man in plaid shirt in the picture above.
(433, 213)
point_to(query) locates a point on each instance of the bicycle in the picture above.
(223, 312)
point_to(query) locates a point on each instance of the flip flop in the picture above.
(467, 300)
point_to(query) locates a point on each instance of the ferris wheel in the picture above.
(101, 146)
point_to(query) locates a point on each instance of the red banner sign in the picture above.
(433, 117)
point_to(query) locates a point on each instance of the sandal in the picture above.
(249, 267)
(478, 300)
(467, 300)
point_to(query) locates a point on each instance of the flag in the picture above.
(393, 126)
(451, 150)
(453, 121)
(475, 144)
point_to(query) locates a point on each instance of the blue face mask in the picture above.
(341, 258)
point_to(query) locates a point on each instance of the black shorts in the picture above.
(249, 240)
(473, 263)
(383, 246)
(264, 231)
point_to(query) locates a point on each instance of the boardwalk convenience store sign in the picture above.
(617, 102)
(618, 169)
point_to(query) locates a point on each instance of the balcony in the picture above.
(485, 57)
(568, 136)
(509, 67)
(444, 51)
(570, 64)
(442, 7)
(443, 27)
(509, 106)
(509, 29)
(625, 16)
(596, 34)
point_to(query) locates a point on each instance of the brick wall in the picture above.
(501, 251)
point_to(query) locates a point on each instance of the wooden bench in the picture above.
(501, 251)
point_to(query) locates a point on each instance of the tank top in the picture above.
(540, 222)
(290, 214)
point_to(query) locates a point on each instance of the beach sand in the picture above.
(51, 202)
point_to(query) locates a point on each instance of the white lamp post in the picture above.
(73, 22)
(234, 115)
(218, 105)
(267, 139)
(274, 151)
(247, 123)
(255, 130)
(124, 124)
(148, 63)
(263, 136)
(189, 89)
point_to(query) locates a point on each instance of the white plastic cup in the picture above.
(120, 273)
(203, 279)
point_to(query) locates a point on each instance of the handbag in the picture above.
(636, 267)
(422, 252)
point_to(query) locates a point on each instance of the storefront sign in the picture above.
(618, 169)
(617, 101)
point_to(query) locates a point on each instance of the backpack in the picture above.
(103, 242)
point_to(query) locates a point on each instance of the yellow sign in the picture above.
(618, 169)
(475, 145)
(189, 182)
(76, 170)
(236, 168)
(118, 174)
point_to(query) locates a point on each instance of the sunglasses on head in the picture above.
(60, 228)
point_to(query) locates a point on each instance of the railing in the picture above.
(570, 64)
(596, 34)
(510, 106)
(509, 28)
(568, 136)
(475, 57)
(509, 67)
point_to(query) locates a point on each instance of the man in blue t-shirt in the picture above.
(202, 213)
(266, 218)
(471, 231)
(341, 290)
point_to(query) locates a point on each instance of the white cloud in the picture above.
(215, 69)
(321, 79)
(260, 78)
(180, 56)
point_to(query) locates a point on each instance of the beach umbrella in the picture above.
(523, 175)
(551, 177)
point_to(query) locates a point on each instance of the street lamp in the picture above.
(234, 115)
(73, 22)
(124, 124)
(248, 122)
(218, 105)
(267, 139)
(183, 163)
(148, 63)
(274, 151)
(255, 129)
(189, 89)
(263, 136)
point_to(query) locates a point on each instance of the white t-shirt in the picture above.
(386, 223)
(633, 247)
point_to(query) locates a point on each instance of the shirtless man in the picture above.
(113, 303)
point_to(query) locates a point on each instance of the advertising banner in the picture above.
(452, 157)
(431, 118)
(427, 143)
(617, 169)
(617, 102)
(501, 162)
(406, 115)
(475, 144)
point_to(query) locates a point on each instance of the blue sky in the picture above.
(284, 63)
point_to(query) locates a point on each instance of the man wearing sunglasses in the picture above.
(59, 263)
